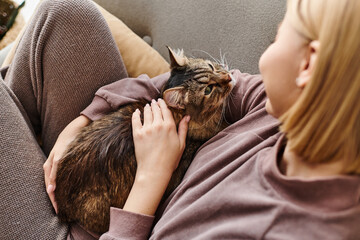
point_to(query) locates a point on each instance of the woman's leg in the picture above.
(66, 53)
(64, 56)
(25, 210)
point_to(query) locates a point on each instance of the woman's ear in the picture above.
(307, 64)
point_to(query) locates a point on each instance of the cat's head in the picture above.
(199, 88)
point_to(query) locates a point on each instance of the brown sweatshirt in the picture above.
(233, 189)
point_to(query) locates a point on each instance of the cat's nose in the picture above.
(226, 78)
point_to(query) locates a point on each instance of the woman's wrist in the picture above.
(77, 124)
(157, 173)
(82, 121)
(147, 191)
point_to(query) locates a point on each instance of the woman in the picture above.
(251, 181)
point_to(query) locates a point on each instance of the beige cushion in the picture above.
(139, 57)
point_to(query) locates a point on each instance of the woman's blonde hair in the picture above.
(324, 124)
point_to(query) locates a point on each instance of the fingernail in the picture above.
(50, 188)
(137, 110)
(159, 99)
(153, 101)
(147, 105)
(187, 119)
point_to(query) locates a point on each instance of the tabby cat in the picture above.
(99, 167)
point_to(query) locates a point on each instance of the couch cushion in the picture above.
(138, 56)
(240, 29)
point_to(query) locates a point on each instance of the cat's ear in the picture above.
(175, 97)
(176, 60)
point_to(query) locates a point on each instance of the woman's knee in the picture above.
(69, 11)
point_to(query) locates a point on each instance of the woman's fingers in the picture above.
(182, 131)
(166, 113)
(157, 114)
(50, 175)
(51, 193)
(51, 164)
(148, 116)
(47, 168)
(136, 121)
(152, 113)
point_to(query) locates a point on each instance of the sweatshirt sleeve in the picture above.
(128, 225)
(247, 95)
(110, 97)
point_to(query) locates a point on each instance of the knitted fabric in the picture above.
(66, 53)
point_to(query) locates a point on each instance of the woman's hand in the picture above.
(65, 138)
(158, 149)
(158, 146)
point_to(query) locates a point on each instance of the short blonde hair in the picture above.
(324, 123)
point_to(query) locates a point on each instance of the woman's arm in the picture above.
(128, 90)
(158, 149)
(248, 93)
(50, 166)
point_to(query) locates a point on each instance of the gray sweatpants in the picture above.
(66, 53)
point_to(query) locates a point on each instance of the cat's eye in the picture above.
(208, 89)
(211, 66)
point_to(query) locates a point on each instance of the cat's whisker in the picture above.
(223, 112)
(230, 99)
(223, 61)
(222, 115)
(213, 58)
(222, 57)
(229, 67)
(220, 122)
(179, 51)
(226, 63)
(202, 125)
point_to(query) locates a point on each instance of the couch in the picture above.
(240, 30)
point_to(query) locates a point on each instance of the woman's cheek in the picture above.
(266, 61)
(262, 62)
(269, 108)
(267, 67)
